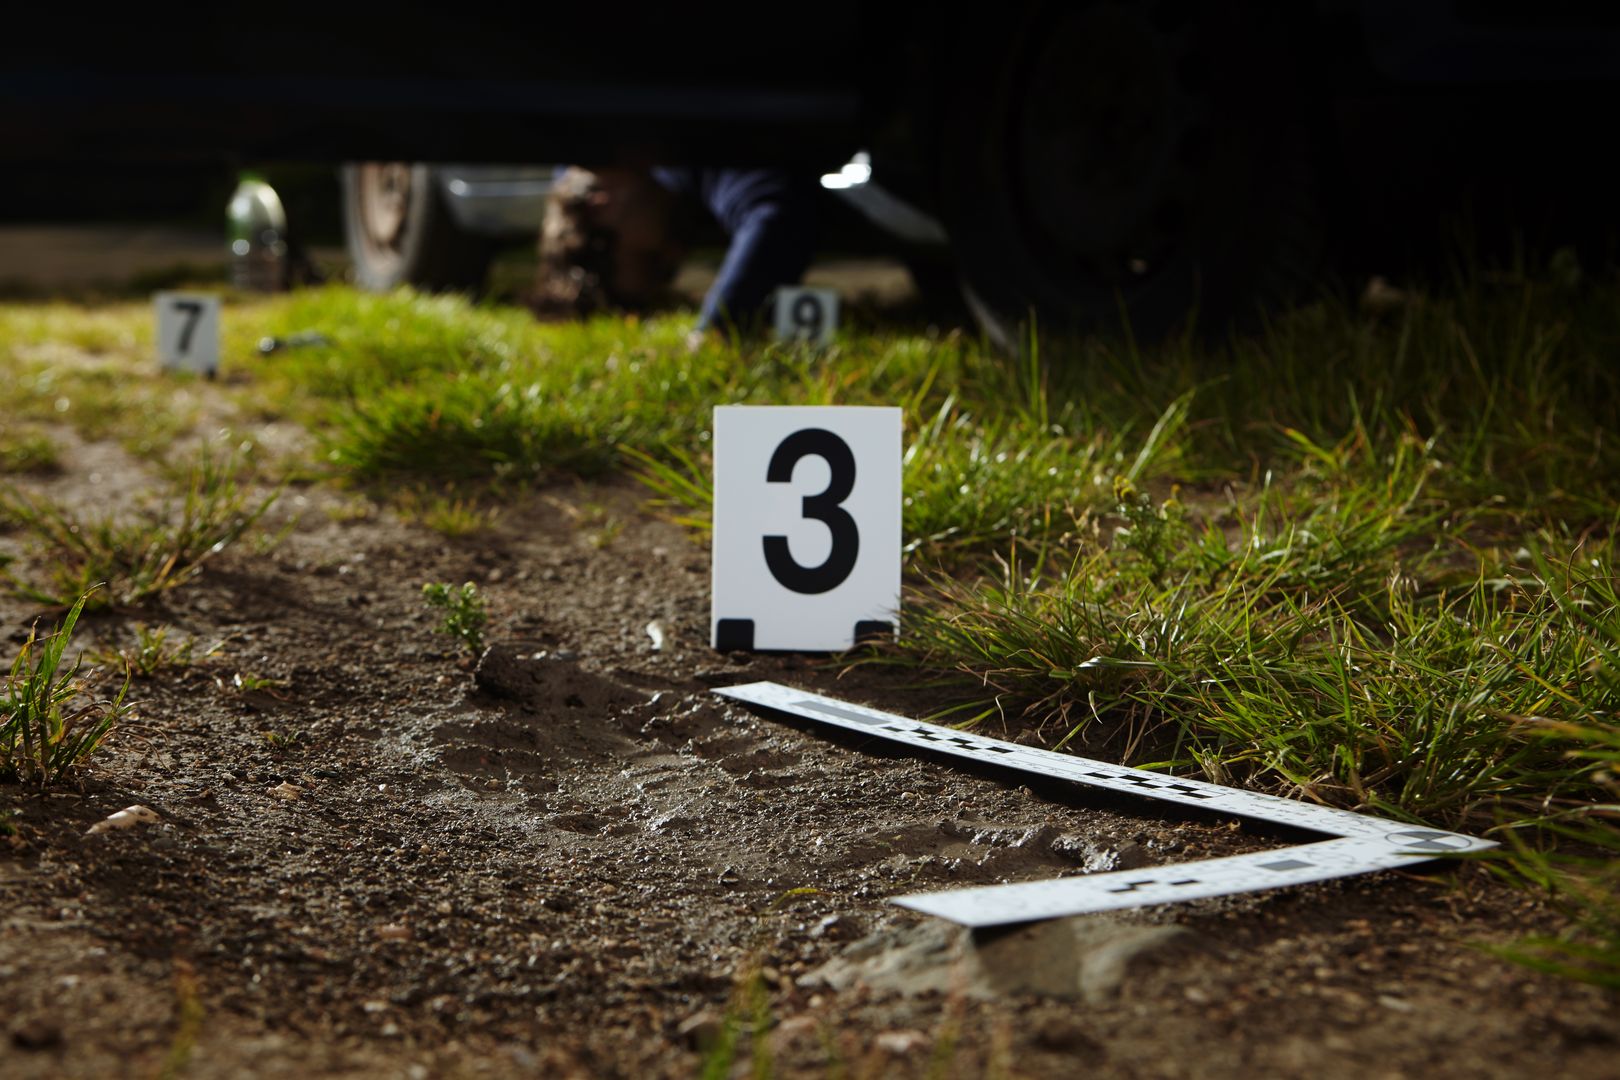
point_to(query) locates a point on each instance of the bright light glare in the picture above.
(856, 172)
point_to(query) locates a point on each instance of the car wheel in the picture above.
(1146, 160)
(939, 288)
(400, 232)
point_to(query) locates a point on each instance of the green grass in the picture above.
(419, 388)
(136, 555)
(26, 449)
(1504, 384)
(49, 720)
(246, 682)
(189, 1016)
(447, 513)
(153, 651)
(1576, 856)
(97, 330)
(92, 369)
(1583, 877)
(1322, 655)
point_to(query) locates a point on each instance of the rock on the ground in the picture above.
(527, 674)
(901, 1043)
(1087, 957)
(127, 818)
(701, 1030)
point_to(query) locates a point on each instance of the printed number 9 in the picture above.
(807, 317)
(825, 508)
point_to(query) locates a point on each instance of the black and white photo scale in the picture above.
(1359, 844)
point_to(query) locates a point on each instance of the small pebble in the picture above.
(901, 1043)
(700, 1030)
(36, 1035)
(1062, 1034)
(127, 818)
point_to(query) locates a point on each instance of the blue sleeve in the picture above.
(770, 215)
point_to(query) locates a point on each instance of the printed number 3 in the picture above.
(826, 508)
(193, 312)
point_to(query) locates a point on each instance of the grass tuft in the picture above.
(445, 513)
(26, 450)
(49, 722)
(1583, 878)
(135, 558)
(1312, 650)
(152, 651)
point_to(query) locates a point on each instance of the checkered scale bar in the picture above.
(1363, 843)
(999, 905)
(1058, 766)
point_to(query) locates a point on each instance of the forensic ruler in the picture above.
(1359, 844)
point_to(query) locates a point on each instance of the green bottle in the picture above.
(256, 225)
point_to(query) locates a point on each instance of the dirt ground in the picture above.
(567, 862)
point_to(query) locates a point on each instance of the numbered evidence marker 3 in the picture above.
(806, 526)
(188, 331)
(806, 315)
(1355, 843)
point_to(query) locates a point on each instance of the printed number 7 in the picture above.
(193, 312)
(825, 508)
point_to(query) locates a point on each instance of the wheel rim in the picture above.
(1097, 163)
(385, 199)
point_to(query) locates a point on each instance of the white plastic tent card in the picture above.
(806, 526)
(809, 315)
(1357, 844)
(187, 331)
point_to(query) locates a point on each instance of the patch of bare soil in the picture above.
(562, 863)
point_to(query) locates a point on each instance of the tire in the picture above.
(939, 289)
(1145, 161)
(400, 232)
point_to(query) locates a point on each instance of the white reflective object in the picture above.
(127, 818)
(806, 526)
(855, 172)
(1353, 843)
(187, 331)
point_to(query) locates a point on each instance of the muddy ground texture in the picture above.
(576, 860)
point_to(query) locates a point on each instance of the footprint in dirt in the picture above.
(529, 716)
(533, 678)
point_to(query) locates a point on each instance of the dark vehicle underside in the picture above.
(1087, 160)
